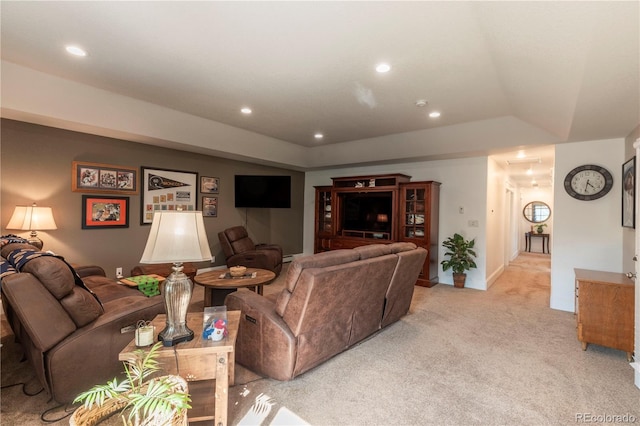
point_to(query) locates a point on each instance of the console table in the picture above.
(545, 241)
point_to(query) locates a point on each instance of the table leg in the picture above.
(216, 296)
(222, 389)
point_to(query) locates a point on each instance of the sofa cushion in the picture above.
(401, 246)
(372, 250)
(106, 291)
(81, 306)
(53, 274)
(319, 260)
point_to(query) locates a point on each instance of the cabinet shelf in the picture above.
(366, 234)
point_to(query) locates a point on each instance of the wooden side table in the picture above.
(199, 360)
(216, 288)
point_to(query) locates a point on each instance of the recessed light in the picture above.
(434, 114)
(246, 110)
(318, 136)
(76, 51)
(383, 67)
(421, 103)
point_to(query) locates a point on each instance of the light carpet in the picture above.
(460, 357)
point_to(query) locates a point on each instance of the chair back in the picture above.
(235, 240)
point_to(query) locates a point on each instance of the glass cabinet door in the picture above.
(324, 211)
(414, 213)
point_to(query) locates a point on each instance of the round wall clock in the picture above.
(588, 182)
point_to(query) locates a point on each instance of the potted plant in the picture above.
(540, 227)
(157, 401)
(461, 254)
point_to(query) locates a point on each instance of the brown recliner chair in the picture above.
(239, 249)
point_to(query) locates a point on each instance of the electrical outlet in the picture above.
(461, 210)
(119, 273)
(473, 223)
(213, 260)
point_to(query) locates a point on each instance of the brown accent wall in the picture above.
(35, 166)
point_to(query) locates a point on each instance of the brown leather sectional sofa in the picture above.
(71, 339)
(331, 301)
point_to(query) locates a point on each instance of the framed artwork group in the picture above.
(161, 189)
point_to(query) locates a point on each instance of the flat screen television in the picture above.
(367, 211)
(271, 192)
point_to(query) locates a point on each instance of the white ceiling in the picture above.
(569, 70)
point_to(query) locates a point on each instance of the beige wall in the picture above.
(36, 166)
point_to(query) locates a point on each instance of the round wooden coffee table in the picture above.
(216, 287)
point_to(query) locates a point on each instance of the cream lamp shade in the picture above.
(177, 236)
(32, 218)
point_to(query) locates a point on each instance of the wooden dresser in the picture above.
(605, 309)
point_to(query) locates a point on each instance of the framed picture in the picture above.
(210, 206)
(101, 178)
(167, 190)
(209, 185)
(629, 193)
(105, 212)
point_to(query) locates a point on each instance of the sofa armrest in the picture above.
(265, 344)
(252, 259)
(89, 270)
(39, 313)
(274, 247)
(90, 354)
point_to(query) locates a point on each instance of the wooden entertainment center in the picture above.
(361, 210)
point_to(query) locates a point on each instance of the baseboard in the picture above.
(636, 367)
(494, 276)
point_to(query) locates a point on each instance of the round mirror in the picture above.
(536, 212)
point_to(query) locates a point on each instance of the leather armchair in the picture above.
(239, 249)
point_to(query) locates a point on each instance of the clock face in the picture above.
(588, 182)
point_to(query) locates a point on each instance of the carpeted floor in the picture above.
(461, 356)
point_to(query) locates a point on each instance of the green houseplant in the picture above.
(140, 398)
(540, 227)
(461, 254)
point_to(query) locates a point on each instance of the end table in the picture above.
(199, 360)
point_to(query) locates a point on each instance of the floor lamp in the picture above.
(176, 237)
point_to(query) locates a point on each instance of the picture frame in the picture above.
(105, 212)
(166, 189)
(629, 193)
(209, 185)
(210, 206)
(100, 178)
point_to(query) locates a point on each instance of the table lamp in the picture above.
(32, 218)
(176, 237)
